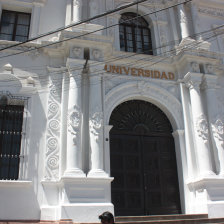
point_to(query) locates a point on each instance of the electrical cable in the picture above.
(88, 33)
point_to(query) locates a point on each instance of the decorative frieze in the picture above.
(53, 133)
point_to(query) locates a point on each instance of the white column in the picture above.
(74, 119)
(76, 11)
(201, 133)
(195, 20)
(190, 155)
(96, 127)
(216, 120)
(183, 21)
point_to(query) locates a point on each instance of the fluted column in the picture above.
(74, 119)
(96, 127)
(76, 11)
(216, 120)
(201, 133)
(195, 20)
(183, 21)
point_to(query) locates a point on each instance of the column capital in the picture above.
(193, 80)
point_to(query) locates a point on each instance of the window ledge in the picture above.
(15, 183)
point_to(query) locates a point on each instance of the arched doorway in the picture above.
(143, 161)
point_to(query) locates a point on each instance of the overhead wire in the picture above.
(160, 46)
(88, 33)
(96, 73)
(76, 24)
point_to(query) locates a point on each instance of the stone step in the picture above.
(191, 220)
(119, 219)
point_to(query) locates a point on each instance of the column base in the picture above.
(76, 172)
(97, 173)
(207, 174)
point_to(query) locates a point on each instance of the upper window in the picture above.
(135, 36)
(11, 120)
(14, 26)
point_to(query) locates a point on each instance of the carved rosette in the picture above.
(53, 134)
(218, 129)
(202, 127)
(74, 123)
(95, 124)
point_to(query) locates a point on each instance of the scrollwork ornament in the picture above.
(202, 127)
(53, 134)
(218, 129)
(74, 122)
(52, 143)
(96, 123)
(53, 107)
(53, 162)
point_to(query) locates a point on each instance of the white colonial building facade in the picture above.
(123, 112)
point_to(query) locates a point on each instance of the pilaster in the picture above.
(216, 120)
(74, 116)
(96, 132)
(200, 124)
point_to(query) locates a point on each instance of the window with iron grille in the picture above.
(135, 36)
(11, 120)
(14, 26)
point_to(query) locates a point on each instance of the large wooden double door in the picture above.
(143, 164)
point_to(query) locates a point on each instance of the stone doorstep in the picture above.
(159, 217)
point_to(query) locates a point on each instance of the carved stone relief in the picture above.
(53, 133)
(96, 54)
(77, 52)
(195, 67)
(96, 123)
(218, 129)
(202, 127)
(74, 123)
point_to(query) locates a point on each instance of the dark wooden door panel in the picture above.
(127, 193)
(143, 161)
